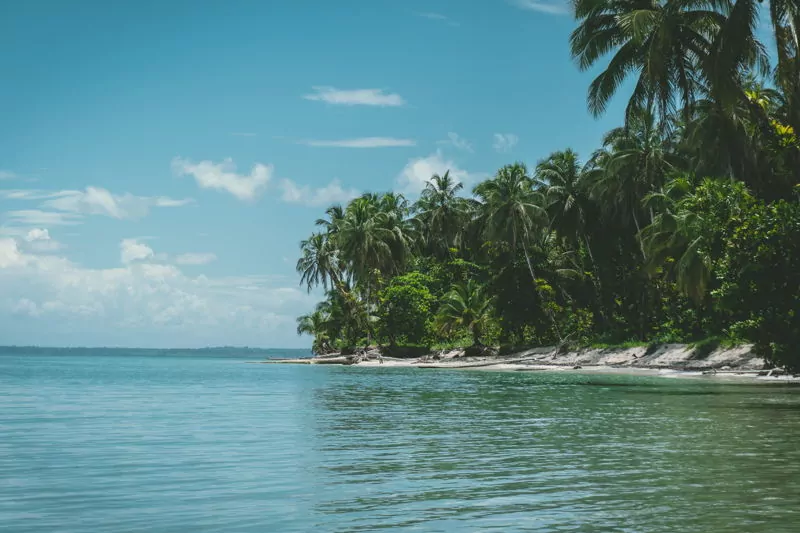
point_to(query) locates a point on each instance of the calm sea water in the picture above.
(191, 442)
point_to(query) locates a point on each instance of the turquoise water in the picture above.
(190, 442)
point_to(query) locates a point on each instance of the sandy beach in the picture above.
(667, 360)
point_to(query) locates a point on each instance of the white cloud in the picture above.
(37, 234)
(505, 142)
(437, 16)
(456, 141)
(332, 193)
(132, 250)
(36, 217)
(418, 172)
(26, 194)
(9, 253)
(73, 205)
(7, 175)
(364, 142)
(551, 7)
(39, 240)
(222, 176)
(141, 303)
(370, 97)
(165, 201)
(96, 201)
(195, 258)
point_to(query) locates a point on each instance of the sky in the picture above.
(161, 161)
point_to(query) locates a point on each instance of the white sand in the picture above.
(668, 360)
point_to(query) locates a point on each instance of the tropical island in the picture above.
(682, 227)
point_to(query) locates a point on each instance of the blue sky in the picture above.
(160, 161)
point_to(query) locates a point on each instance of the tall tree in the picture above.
(442, 214)
(512, 209)
(661, 41)
(319, 263)
(512, 212)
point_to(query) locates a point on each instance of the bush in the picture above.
(760, 282)
(405, 309)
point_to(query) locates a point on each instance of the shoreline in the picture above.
(738, 363)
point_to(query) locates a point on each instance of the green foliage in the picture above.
(465, 307)
(760, 282)
(405, 309)
(683, 225)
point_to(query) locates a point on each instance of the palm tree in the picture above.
(663, 42)
(633, 161)
(394, 210)
(465, 306)
(690, 226)
(319, 263)
(563, 182)
(442, 213)
(678, 232)
(315, 324)
(335, 214)
(364, 239)
(512, 210)
(566, 186)
(736, 50)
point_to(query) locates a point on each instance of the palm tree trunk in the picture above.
(639, 234)
(536, 287)
(598, 286)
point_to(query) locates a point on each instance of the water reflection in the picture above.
(556, 452)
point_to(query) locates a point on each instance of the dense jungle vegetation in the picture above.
(683, 225)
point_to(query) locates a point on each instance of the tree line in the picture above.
(684, 224)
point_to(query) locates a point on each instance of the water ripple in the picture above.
(124, 444)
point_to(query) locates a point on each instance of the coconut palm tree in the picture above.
(442, 214)
(335, 214)
(633, 161)
(512, 212)
(563, 182)
(315, 324)
(394, 210)
(664, 42)
(364, 239)
(319, 263)
(566, 186)
(512, 209)
(678, 232)
(466, 306)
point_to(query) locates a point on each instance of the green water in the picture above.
(136, 441)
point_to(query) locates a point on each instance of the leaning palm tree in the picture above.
(466, 306)
(319, 263)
